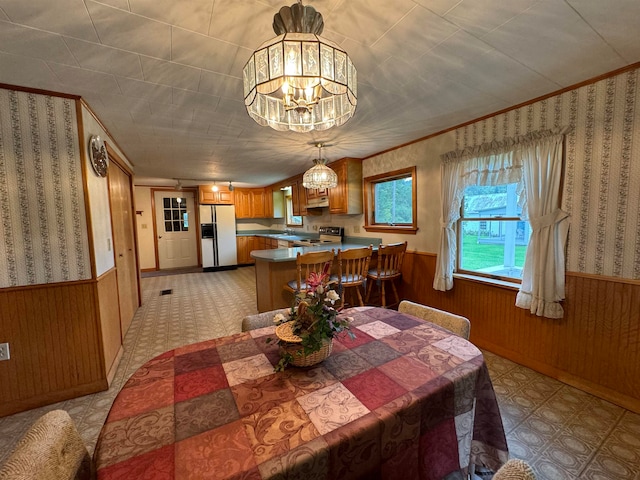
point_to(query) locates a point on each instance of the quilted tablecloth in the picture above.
(405, 399)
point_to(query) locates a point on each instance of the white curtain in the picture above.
(542, 286)
(488, 164)
(534, 163)
(452, 190)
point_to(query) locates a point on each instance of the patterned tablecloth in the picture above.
(405, 399)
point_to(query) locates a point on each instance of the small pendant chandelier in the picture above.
(299, 80)
(319, 176)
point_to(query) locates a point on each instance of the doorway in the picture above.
(176, 227)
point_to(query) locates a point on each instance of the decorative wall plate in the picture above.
(98, 155)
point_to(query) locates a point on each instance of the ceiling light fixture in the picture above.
(214, 187)
(231, 187)
(319, 176)
(299, 80)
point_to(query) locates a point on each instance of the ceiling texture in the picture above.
(165, 76)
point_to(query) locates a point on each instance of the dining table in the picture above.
(404, 399)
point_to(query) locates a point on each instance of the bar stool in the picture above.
(389, 268)
(307, 263)
(353, 265)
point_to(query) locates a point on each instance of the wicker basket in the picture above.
(285, 333)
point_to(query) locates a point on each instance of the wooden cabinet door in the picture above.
(208, 197)
(243, 209)
(257, 200)
(225, 197)
(338, 196)
(295, 199)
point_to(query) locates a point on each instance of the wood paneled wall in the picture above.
(595, 347)
(55, 341)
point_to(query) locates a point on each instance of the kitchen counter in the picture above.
(290, 254)
(276, 267)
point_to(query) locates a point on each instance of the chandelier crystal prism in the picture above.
(319, 176)
(299, 80)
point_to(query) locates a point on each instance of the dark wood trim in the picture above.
(598, 78)
(85, 187)
(39, 91)
(394, 229)
(629, 281)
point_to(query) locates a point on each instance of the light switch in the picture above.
(143, 226)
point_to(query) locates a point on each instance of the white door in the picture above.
(176, 228)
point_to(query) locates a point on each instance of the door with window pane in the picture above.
(176, 229)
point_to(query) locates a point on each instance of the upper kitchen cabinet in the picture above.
(254, 202)
(298, 197)
(346, 198)
(208, 197)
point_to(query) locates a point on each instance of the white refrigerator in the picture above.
(218, 234)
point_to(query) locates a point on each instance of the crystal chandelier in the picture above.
(319, 176)
(299, 80)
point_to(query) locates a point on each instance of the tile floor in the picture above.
(564, 433)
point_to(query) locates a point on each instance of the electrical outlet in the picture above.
(356, 229)
(4, 351)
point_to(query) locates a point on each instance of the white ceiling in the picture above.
(165, 76)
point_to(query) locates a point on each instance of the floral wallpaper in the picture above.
(43, 231)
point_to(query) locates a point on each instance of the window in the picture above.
(491, 237)
(176, 218)
(291, 219)
(390, 202)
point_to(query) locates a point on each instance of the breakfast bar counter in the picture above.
(274, 268)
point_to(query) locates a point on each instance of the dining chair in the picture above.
(515, 469)
(261, 320)
(454, 323)
(307, 263)
(353, 266)
(51, 449)
(388, 269)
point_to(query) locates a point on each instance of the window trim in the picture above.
(369, 206)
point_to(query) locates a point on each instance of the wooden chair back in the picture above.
(390, 258)
(353, 265)
(311, 262)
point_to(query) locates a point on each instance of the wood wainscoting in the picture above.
(60, 341)
(595, 347)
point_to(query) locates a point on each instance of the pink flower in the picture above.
(316, 279)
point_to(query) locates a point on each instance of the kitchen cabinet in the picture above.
(346, 198)
(208, 197)
(244, 246)
(254, 202)
(316, 193)
(298, 197)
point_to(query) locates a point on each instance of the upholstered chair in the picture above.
(515, 469)
(454, 323)
(51, 449)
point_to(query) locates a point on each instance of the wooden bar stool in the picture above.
(389, 268)
(353, 265)
(307, 263)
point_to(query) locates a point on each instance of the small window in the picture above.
(292, 220)
(492, 238)
(175, 215)
(390, 202)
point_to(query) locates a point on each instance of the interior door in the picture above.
(176, 229)
(122, 223)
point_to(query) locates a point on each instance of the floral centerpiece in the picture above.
(305, 335)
